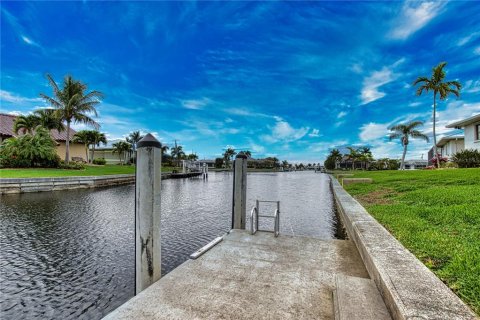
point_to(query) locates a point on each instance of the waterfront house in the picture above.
(77, 150)
(470, 139)
(471, 131)
(448, 146)
(414, 164)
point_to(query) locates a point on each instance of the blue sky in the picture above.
(285, 79)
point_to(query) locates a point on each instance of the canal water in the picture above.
(70, 254)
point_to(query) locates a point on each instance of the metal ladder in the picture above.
(255, 214)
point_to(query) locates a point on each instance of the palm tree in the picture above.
(353, 155)
(86, 138)
(337, 157)
(121, 147)
(228, 155)
(192, 156)
(71, 103)
(26, 123)
(133, 139)
(48, 119)
(437, 84)
(97, 138)
(365, 156)
(404, 131)
(164, 148)
(177, 153)
(247, 153)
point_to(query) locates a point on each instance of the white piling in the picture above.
(147, 213)
(239, 206)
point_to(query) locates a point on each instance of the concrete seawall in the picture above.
(23, 185)
(410, 290)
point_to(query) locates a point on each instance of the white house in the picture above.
(471, 131)
(448, 146)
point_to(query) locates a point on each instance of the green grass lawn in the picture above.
(436, 215)
(89, 171)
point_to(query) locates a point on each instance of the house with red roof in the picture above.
(77, 150)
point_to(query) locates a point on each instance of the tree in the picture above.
(177, 153)
(218, 162)
(97, 138)
(133, 139)
(228, 155)
(247, 153)
(26, 123)
(72, 104)
(192, 156)
(164, 148)
(30, 150)
(439, 86)
(86, 138)
(404, 132)
(121, 147)
(353, 156)
(336, 156)
(330, 162)
(48, 119)
(365, 155)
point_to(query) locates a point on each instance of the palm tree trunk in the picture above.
(67, 144)
(86, 152)
(434, 135)
(93, 152)
(402, 165)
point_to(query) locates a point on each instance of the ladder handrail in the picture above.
(253, 213)
(277, 222)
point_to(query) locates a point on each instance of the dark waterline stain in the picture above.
(70, 254)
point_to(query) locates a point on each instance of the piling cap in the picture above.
(149, 141)
(241, 155)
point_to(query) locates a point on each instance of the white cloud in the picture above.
(414, 104)
(472, 86)
(371, 84)
(14, 98)
(472, 36)
(341, 114)
(314, 133)
(257, 149)
(195, 104)
(477, 51)
(323, 147)
(372, 131)
(29, 41)
(414, 16)
(283, 131)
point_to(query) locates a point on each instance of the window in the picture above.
(477, 132)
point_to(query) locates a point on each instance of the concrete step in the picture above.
(358, 299)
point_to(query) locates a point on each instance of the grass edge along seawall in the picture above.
(435, 215)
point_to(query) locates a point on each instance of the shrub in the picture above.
(29, 150)
(442, 160)
(449, 164)
(467, 158)
(99, 161)
(72, 165)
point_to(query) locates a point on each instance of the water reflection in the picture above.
(69, 254)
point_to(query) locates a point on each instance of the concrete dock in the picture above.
(253, 277)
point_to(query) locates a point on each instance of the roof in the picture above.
(465, 122)
(6, 128)
(445, 140)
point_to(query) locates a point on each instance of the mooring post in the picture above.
(147, 213)
(239, 206)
